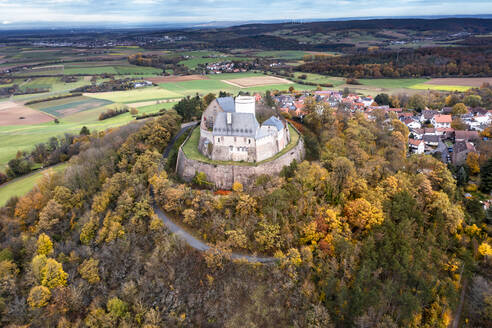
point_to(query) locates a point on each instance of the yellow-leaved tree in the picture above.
(362, 215)
(39, 296)
(45, 245)
(52, 274)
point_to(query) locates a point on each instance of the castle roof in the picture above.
(227, 104)
(242, 125)
(273, 121)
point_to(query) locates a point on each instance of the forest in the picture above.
(364, 236)
(421, 62)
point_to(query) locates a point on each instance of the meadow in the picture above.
(283, 54)
(321, 79)
(21, 186)
(131, 96)
(391, 83)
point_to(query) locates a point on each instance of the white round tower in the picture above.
(245, 104)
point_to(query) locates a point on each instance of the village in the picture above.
(431, 131)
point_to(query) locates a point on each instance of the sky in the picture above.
(141, 12)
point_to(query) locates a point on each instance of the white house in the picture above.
(441, 121)
(416, 146)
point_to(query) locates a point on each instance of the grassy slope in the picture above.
(21, 186)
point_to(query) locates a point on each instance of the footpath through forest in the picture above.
(190, 240)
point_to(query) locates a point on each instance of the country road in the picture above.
(190, 240)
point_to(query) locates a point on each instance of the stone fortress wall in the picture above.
(223, 176)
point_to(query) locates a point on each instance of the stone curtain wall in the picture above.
(225, 175)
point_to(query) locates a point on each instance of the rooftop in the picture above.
(227, 104)
(273, 121)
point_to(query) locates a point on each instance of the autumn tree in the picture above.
(472, 163)
(460, 109)
(51, 215)
(39, 296)
(473, 101)
(52, 274)
(208, 99)
(362, 215)
(45, 245)
(89, 270)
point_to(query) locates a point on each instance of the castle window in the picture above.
(231, 148)
(235, 139)
(249, 141)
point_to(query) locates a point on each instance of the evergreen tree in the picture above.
(486, 177)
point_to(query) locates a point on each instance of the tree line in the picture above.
(422, 62)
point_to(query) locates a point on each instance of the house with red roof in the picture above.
(442, 121)
(416, 146)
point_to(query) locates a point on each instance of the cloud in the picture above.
(162, 11)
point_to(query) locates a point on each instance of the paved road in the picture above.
(200, 245)
(186, 236)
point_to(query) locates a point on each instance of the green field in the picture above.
(137, 95)
(21, 186)
(215, 85)
(391, 83)
(321, 79)
(24, 137)
(60, 107)
(117, 70)
(190, 148)
(283, 54)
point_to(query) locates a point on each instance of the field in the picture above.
(20, 187)
(90, 68)
(24, 137)
(68, 106)
(321, 79)
(283, 54)
(172, 79)
(137, 95)
(256, 81)
(206, 57)
(11, 113)
(391, 83)
(190, 148)
(424, 86)
(217, 83)
(464, 81)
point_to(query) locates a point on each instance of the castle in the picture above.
(229, 131)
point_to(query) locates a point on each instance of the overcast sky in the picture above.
(167, 11)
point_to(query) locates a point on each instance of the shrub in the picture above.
(112, 113)
(353, 81)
